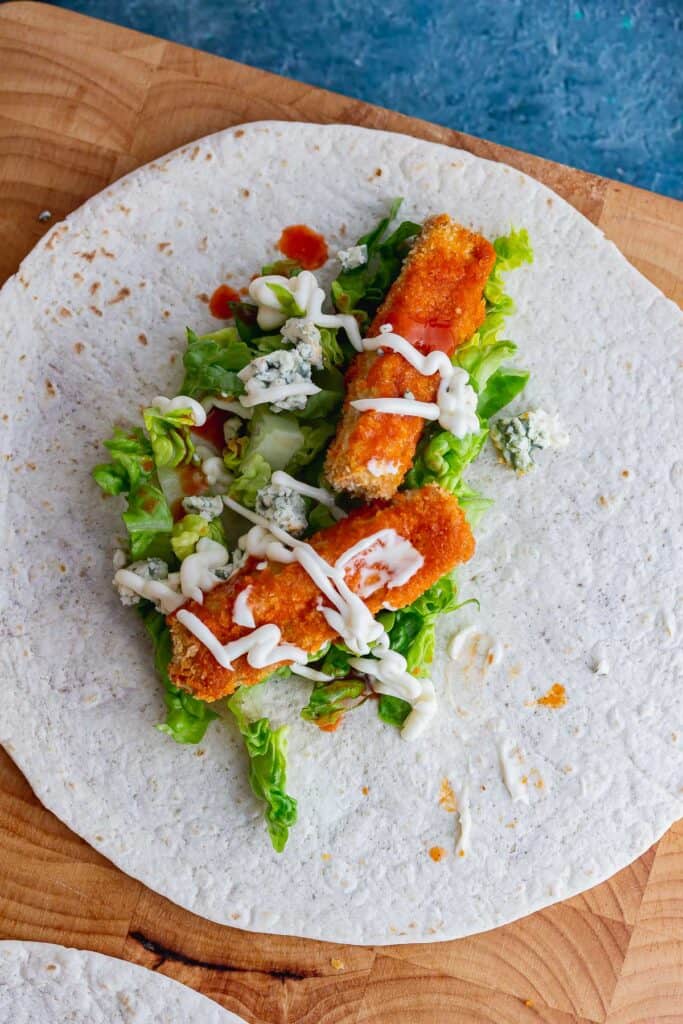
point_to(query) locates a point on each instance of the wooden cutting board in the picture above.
(81, 103)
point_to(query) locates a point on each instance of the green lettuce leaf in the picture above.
(511, 252)
(283, 268)
(441, 458)
(361, 290)
(473, 503)
(316, 435)
(334, 353)
(169, 435)
(191, 528)
(212, 362)
(288, 303)
(254, 473)
(413, 629)
(330, 701)
(501, 387)
(267, 750)
(233, 453)
(187, 718)
(393, 710)
(327, 401)
(131, 473)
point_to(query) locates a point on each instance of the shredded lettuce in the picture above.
(131, 473)
(441, 458)
(315, 437)
(334, 354)
(330, 701)
(288, 303)
(169, 435)
(283, 268)
(212, 362)
(328, 400)
(267, 750)
(254, 473)
(191, 528)
(393, 710)
(187, 718)
(361, 290)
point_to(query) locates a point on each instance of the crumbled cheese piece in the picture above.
(232, 428)
(145, 569)
(213, 467)
(283, 367)
(283, 506)
(237, 560)
(355, 256)
(518, 437)
(204, 505)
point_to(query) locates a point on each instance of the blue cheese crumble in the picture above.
(203, 505)
(518, 438)
(283, 368)
(355, 256)
(284, 507)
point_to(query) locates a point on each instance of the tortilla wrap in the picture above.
(41, 982)
(542, 801)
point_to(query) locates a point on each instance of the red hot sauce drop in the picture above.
(299, 242)
(219, 303)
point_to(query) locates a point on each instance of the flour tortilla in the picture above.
(582, 551)
(41, 983)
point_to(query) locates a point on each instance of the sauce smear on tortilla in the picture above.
(303, 244)
(219, 303)
(192, 481)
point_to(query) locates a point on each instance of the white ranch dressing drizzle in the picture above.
(196, 576)
(462, 847)
(262, 646)
(349, 617)
(319, 494)
(311, 673)
(165, 405)
(456, 403)
(241, 612)
(159, 591)
(308, 296)
(387, 559)
(509, 771)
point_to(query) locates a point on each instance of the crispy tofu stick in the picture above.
(285, 595)
(436, 303)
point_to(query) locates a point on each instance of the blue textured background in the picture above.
(598, 84)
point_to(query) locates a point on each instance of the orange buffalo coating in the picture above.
(436, 303)
(429, 518)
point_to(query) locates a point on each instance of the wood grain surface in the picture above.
(81, 103)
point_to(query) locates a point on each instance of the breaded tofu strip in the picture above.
(436, 303)
(285, 595)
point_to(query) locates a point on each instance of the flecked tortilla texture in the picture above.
(584, 550)
(41, 983)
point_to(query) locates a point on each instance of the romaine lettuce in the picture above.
(188, 530)
(169, 435)
(254, 473)
(212, 362)
(267, 750)
(187, 718)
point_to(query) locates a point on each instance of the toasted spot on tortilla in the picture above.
(203, 244)
(195, 153)
(447, 798)
(235, 916)
(378, 172)
(602, 500)
(203, 297)
(437, 853)
(511, 824)
(93, 287)
(337, 963)
(556, 697)
(166, 313)
(199, 753)
(121, 294)
(64, 312)
(124, 209)
(142, 338)
(326, 856)
(95, 310)
(50, 967)
(246, 193)
(105, 252)
(162, 245)
(89, 256)
(239, 133)
(365, 790)
(50, 388)
(78, 347)
(625, 473)
(77, 277)
(209, 156)
(5, 418)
